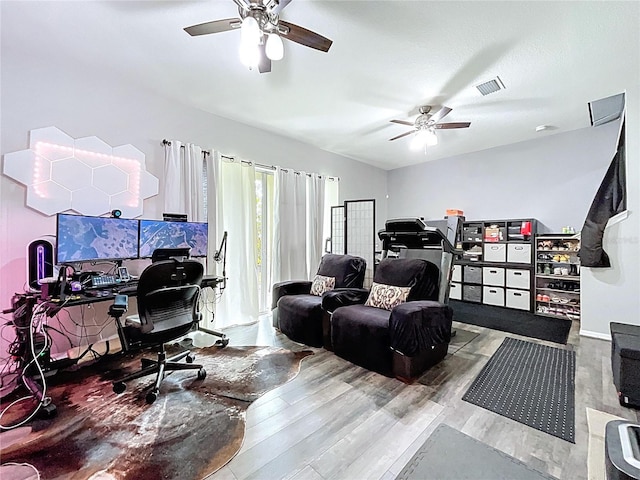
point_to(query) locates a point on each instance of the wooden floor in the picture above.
(339, 421)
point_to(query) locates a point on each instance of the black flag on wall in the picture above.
(610, 200)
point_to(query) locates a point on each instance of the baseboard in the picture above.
(601, 336)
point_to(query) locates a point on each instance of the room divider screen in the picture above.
(353, 232)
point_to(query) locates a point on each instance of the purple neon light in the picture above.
(41, 263)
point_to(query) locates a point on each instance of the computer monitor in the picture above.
(81, 238)
(161, 234)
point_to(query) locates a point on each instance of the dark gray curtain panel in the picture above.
(610, 200)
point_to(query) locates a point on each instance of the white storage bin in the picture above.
(518, 253)
(456, 275)
(493, 276)
(455, 291)
(518, 279)
(518, 299)
(495, 252)
(493, 296)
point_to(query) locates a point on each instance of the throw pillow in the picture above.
(386, 296)
(322, 284)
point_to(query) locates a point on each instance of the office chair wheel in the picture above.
(151, 397)
(202, 373)
(119, 387)
(223, 342)
(190, 358)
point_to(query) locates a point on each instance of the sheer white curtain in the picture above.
(184, 192)
(236, 214)
(289, 225)
(298, 225)
(315, 222)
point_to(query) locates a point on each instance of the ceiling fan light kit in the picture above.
(425, 127)
(262, 32)
(274, 47)
(424, 138)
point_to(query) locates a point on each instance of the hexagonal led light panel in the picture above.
(85, 175)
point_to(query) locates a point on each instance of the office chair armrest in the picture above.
(415, 327)
(119, 306)
(342, 297)
(291, 287)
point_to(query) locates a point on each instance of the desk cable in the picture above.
(29, 383)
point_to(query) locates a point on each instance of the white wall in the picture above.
(37, 92)
(613, 294)
(553, 179)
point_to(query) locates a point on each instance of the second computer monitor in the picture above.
(160, 234)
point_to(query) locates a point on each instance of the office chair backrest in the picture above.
(168, 293)
(421, 275)
(180, 253)
(348, 270)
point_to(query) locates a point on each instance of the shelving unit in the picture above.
(497, 266)
(558, 276)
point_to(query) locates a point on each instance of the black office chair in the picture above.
(168, 293)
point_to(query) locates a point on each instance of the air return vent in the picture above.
(606, 109)
(491, 86)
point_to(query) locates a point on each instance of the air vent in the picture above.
(491, 86)
(606, 109)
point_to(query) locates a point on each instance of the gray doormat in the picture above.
(451, 455)
(531, 384)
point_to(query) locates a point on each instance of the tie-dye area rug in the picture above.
(193, 428)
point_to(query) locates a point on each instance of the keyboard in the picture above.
(102, 281)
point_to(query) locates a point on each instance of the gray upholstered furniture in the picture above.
(297, 313)
(401, 342)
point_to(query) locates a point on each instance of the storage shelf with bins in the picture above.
(558, 276)
(497, 265)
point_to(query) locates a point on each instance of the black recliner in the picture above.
(298, 314)
(401, 342)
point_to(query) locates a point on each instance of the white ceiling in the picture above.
(388, 58)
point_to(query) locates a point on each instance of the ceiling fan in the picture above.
(262, 32)
(426, 124)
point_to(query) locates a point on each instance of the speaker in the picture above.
(40, 261)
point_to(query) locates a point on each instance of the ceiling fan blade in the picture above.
(446, 126)
(439, 115)
(402, 135)
(303, 36)
(216, 26)
(264, 65)
(402, 122)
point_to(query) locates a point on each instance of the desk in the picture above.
(31, 351)
(102, 295)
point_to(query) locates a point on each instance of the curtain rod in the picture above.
(168, 142)
(260, 165)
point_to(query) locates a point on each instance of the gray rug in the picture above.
(530, 383)
(451, 455)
